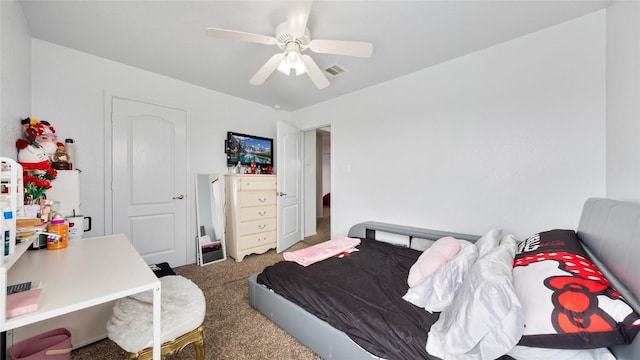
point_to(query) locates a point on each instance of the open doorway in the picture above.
(323, 139)
(317, 183)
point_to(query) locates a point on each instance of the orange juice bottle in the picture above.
(59, 227)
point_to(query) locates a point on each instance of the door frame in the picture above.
(331, 179)
(109, 95)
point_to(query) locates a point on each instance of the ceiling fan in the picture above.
(293, 38)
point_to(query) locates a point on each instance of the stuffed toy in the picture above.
(32, 157)
(31, 154)
(45, 135)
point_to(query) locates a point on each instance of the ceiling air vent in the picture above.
(335, 70)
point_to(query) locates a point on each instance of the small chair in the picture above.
(183, 309)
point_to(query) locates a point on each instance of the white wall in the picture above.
(15, 72)
(512, 136)
(69, 89)
(623, 101)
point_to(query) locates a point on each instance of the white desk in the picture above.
(87, 273)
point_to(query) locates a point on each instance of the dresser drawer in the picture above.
(256, 212)
(257, 226)
(253, 240)
(257, 183)
(256, 198)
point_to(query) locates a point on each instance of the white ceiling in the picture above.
(168, 37)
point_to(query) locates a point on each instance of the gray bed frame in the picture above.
(609, 229)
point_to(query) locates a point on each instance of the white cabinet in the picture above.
(11, 196)
(251, 210)
(65, 189)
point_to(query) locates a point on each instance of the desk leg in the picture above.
(156, 323)
(3, 345)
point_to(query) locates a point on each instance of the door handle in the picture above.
(179, 197)
(281, 193)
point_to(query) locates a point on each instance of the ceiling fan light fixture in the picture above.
(284, 67)
(292, 61)
(301, 68)
(293, 58)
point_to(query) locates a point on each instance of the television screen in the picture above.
(246, 149)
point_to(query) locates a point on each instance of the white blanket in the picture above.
(183, 309)
(485, 319)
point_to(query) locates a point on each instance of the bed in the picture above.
(609, 231)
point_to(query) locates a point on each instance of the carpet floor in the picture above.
(233, 329)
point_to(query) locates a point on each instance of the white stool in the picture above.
(182, 315)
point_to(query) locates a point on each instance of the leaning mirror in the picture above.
(209, 219)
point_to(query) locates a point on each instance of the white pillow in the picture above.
(392, 238)
(436, 292)
(488, 241)
(533, 353)
(485, 319)
(433, 259)
(421, 244)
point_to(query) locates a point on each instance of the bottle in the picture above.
(6, 235)
(10, 224)
(70, 147)
(59, 237)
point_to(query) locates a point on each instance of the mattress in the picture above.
(361, 295)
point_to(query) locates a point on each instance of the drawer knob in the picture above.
(262, 213)
(262, 199)
(262, 226)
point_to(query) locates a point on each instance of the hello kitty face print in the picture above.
(568, 302)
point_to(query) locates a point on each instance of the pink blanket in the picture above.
(319, 252)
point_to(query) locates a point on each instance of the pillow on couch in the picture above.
(432, 259)
(568, 303)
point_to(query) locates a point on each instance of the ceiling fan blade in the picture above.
(339, 47)
(241, 36)
(298, 16)
(315, 73)
(266, 69)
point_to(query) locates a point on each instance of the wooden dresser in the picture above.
(251, 214)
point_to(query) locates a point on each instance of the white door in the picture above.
(289, 155)
(149, 179)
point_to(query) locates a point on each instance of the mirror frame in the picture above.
(210, 195)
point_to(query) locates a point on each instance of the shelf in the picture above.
(9, 260)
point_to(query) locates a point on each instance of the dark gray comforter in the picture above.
(361, 295)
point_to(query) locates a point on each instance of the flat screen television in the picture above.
(246, 149)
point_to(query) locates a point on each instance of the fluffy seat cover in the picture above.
(183, 309)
